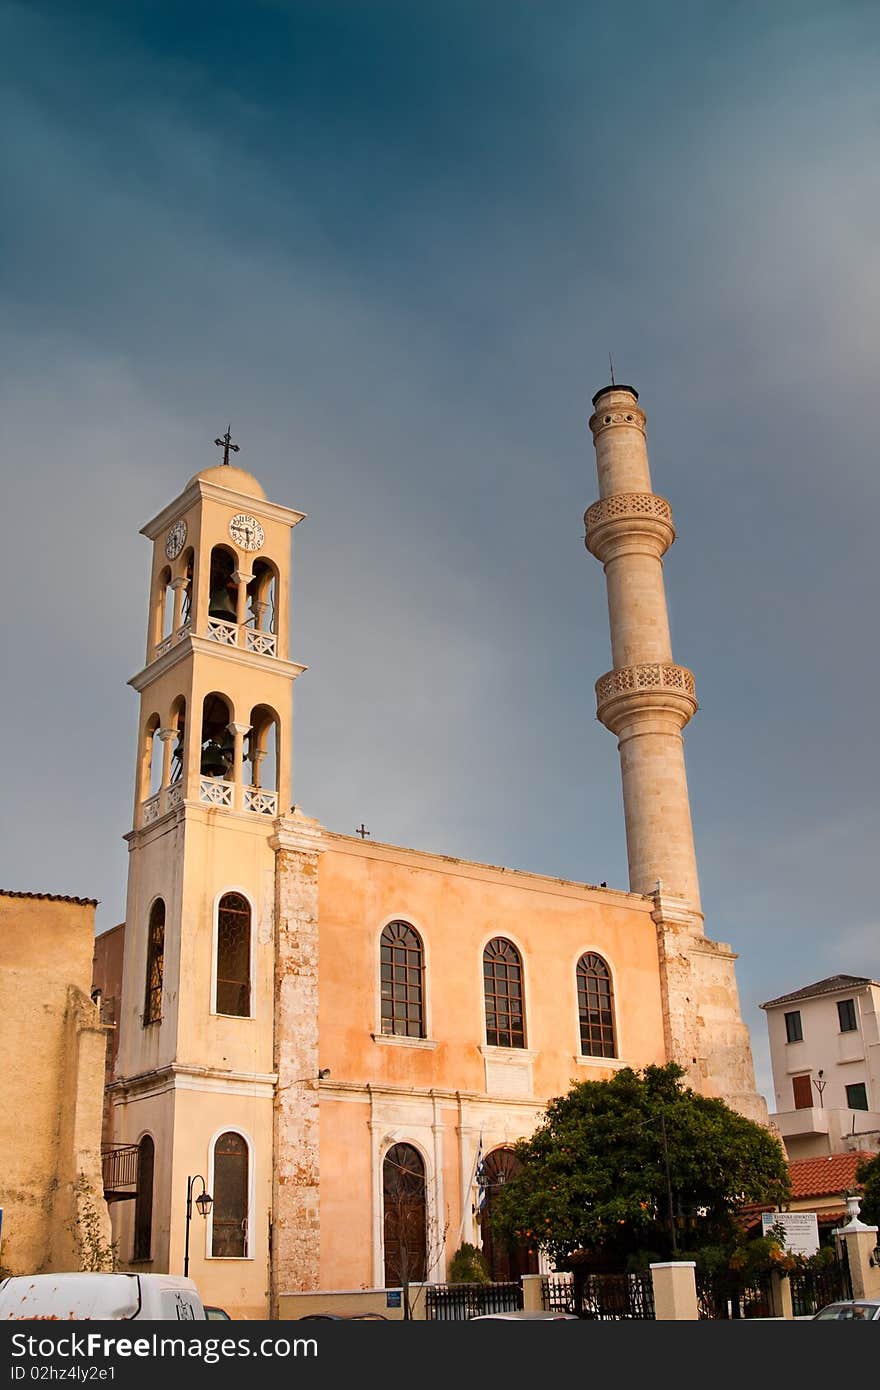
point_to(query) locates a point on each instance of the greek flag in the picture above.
(480, 1176)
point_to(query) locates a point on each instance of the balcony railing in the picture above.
(152, 809)
(263, 643)
(119, 1168)
(219, 630)
(172, 640)
(215, 792)
(256, 799)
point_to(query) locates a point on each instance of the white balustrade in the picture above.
(263, 643)
(175, 637)
(264, 802)
(221, 631)
(175, 796)
(151, 810)
(215, 792)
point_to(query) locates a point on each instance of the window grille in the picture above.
(234, 956)
(155, 963)
(230, 1211)
(502, 983)
(403, 981)
(595, 1007)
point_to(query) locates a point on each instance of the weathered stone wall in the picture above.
(296, 1156)
(52, 1051)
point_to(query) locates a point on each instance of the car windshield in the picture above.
(842, 1311)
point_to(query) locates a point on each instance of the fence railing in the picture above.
(726, 1295)
(119, 1169)
(811, 1289)
(604, 1297)
(458, 1302)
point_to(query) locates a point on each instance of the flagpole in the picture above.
(477, 1157)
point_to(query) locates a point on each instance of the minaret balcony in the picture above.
(652, 683)
(624, 515)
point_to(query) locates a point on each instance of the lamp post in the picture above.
(204, 1202)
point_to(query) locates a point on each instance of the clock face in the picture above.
(175, 539)
(246, 531)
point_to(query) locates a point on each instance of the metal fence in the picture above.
(727, 1295)
(605, 1297)
(812, 1289)
(458, 1302)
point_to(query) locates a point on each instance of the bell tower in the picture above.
(195, 1069)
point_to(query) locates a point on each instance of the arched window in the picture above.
(218, 745)
(143, 1207)
(223, 593)
(502, 983)
(405, 1215)
(155, 963)
(403, 981)
(595, 1007)
(234, 956)
(229, 1226)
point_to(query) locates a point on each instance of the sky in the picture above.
(394, 244)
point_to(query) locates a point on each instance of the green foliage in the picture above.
(594, 1175)
(468, 1266)
(868, 1173)
(95, 1254)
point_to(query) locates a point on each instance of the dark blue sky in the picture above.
(394, 243)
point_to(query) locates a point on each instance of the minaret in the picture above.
(646, 699)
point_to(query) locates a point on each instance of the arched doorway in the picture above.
(505, 1263)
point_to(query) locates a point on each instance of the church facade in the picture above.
(329, 1034)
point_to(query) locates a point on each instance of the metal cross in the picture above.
(362, 831)
(226, 444)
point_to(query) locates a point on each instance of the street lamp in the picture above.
(204, 1202)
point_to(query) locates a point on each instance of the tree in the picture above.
(868, 1173)
(638, 1163)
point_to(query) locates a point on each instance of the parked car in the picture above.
(851, 1310)
(520, 1315)
(342, 1317)
(99, 1297)
(215, 1314)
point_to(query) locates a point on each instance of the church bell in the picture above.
(220, 605)
(217, 757)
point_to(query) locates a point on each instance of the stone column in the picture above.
(169, 738)
(646, 699)
(860, 1241)
(242, 580)
(675, 1291)
(296, 1150)
(179, 586)
(239, 732)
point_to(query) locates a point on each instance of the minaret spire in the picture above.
(646, 699)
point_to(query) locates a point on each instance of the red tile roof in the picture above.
(825, 1177)
(50, 897)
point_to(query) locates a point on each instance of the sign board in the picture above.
(801, 1229)
(393, 1298)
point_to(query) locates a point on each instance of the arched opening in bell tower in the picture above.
(262, 594)
(177, 722)
(222, 595)
(162, 614)
(217, 742)
(263, 751)
(187, 562)
(150, 762)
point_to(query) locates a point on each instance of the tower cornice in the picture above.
(272, 665)
(199, 488)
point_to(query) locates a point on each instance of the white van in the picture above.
(99, 1297)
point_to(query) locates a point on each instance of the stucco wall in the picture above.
(53, 1050)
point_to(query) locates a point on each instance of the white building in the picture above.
(825, 1054)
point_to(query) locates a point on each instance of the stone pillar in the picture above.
(531, 1287)
(239, 732)
(675, 1291)
(781, 1305)
(241, 580)
(646, 699)
(179, 586)
(169, 738)
(296, 1149)
(860, 1241)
